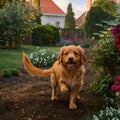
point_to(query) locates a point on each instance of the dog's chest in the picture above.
(69, 77)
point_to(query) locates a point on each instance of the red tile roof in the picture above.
(81, 20)
(49, 7)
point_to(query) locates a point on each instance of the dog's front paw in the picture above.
(64, 89)
(72, 106)
(53, 98)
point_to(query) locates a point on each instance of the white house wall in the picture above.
(53, 19)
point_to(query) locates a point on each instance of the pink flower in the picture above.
(117, 39)
(118, 46)
(117, 78)
(115, 88)
(115, 30)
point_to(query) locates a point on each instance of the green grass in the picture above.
(13, 58)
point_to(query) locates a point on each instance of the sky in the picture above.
(78, 6)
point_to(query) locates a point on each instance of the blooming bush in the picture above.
(42, 58)
(116, 85)
(108, 114)
(84, 42)
(116, 33)
(116, 88)
(106, 62)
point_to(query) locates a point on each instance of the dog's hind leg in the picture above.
(54, 85)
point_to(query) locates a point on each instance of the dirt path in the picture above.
(27, 98)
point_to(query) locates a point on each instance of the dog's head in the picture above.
(71, 56)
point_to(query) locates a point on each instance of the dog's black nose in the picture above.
(70, 59)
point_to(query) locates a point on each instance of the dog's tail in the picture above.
(32, 70)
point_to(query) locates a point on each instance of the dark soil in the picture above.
(28, 98)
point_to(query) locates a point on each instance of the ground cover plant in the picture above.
(108, 113)
(43, 58)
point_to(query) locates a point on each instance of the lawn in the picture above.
(13, 58)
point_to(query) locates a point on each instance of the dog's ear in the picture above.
(83, 56)
(60, 55)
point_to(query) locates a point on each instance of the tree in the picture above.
(2, 2)
(69, 18)
(16, 21)
(97, 14)
(36, 4)
(106, 5)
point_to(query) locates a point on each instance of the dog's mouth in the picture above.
(71, 64)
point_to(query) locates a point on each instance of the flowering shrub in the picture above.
(116, 33)
(106, 61)
(108, 114)
(116, 85)
(42, 58)
(116, 88)
(84, 42)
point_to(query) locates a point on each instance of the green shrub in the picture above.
(102, 87)
(10, 72)
(106, 62)
(16, 21)
(14, 72)
(7, 73)
(45, 35)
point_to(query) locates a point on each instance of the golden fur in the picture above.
(67, 72)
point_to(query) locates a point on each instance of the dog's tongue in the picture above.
(70, 64)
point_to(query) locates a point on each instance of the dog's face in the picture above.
(71, 56)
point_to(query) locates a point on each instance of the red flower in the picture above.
(117, 39)
(118, 46)
(115, 88)
(117, 78)
(115, 30)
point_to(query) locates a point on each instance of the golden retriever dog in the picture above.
(67, 72)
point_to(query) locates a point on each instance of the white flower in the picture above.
(95, 117)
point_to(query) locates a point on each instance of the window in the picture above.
(57, 24)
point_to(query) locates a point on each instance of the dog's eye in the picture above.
(65, 53)
(76, 53)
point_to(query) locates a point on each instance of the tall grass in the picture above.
(13, 58)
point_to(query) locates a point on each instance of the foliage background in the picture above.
(16, 21)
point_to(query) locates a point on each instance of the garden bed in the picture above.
(28, 98)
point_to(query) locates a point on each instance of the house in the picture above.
(82, 18)
(79, 21)
(51, 14)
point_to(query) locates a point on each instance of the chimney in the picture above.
(88, 5)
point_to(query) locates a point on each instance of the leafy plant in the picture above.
(14, 72)
(108, 113)
(7, 73)
(11, 72)
(102, 87)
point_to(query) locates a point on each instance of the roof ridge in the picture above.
(50, 7)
